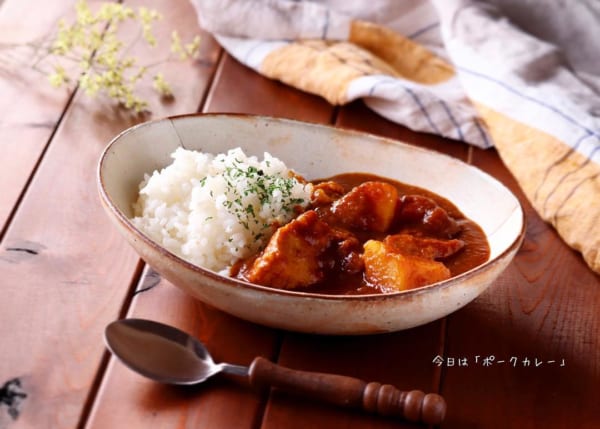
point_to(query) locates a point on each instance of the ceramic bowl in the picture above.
(314, 151)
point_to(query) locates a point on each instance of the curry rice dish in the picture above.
(261, 222)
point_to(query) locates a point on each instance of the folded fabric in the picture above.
(457, 68)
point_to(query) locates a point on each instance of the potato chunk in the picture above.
(292, 256)
(370, 206)
(392, 272)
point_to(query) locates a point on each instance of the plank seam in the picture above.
(266, 399)
(211, 82)
(439, 373)
(104, 361)
(36, 167)
(334, 115)
(136, 279)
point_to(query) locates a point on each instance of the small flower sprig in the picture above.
(89, 52)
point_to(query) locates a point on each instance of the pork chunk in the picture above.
(326, 193)
(393, 272)
(291, 258)
(370, 206)
(420, 209)
(348, 252)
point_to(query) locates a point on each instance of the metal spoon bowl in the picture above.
(163, 353)
(167, 355)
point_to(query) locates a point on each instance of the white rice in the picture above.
(190, 208)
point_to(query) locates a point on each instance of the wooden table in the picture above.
(525, 354)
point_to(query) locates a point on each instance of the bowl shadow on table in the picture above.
(542, 381)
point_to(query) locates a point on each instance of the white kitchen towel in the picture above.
(518, 75)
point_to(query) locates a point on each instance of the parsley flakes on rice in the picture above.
(212, 210)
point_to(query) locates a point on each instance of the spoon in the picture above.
(167, 355)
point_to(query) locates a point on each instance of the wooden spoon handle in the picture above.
(383, 399)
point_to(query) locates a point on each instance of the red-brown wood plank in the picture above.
(65, 270)
(240, 90)
(359, 117)
(127, 400)
(544, 307)
(29, 107)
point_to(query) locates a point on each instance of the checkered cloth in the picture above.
(521, 76)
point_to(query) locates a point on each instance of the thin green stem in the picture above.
(86, 42)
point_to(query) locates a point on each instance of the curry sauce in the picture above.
(365, 234)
